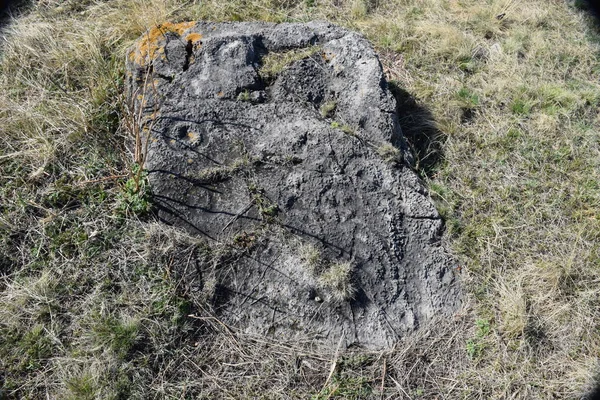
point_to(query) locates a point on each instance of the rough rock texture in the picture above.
(299, 178)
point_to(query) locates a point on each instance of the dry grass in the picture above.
(274, 63)
(500, 101)
(337, 280)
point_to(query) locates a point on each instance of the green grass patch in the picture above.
(467, 98)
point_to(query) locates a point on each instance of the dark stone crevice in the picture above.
(166, 77)
(189, 52)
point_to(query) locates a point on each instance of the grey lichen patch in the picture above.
(275, 62)
(337, 281)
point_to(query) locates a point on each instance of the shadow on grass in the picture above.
(420, 131)
(11, 9)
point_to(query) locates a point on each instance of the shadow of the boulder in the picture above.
(10, 9)
(420, 131)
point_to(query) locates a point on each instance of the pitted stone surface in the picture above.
(290, 177)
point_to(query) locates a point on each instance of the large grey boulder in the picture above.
(279, 143)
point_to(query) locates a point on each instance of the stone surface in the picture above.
(299, 179)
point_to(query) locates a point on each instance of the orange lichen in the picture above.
(194, 37)
(150, 43)
(193, 136)
(327, 55)
(180, 27)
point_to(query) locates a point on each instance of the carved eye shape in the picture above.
(181, 132)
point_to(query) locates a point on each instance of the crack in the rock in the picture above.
(188, 55)
(166, 77)
(423, 217)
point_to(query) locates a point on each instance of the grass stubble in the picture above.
(500, 100)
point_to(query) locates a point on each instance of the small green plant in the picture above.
(467, 98)
(267, 209)
(214, 175)
(135, 196)
(82, 387)
(328, 109)
(348, 130)
(474, 348)
(65, 236)
(244, 239)
(476, 345)
(527, 99)
(483, 327)
(556, 99)
(521, 106)
(337, 279)
(311, 258)
(252, 187)
(116, 335)
(466, 64)
(270, 210)
(352, 362)
(343, 386)
(343, 127)
(244, 96)
(222, 173)
(36, 346)
(390, 153)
